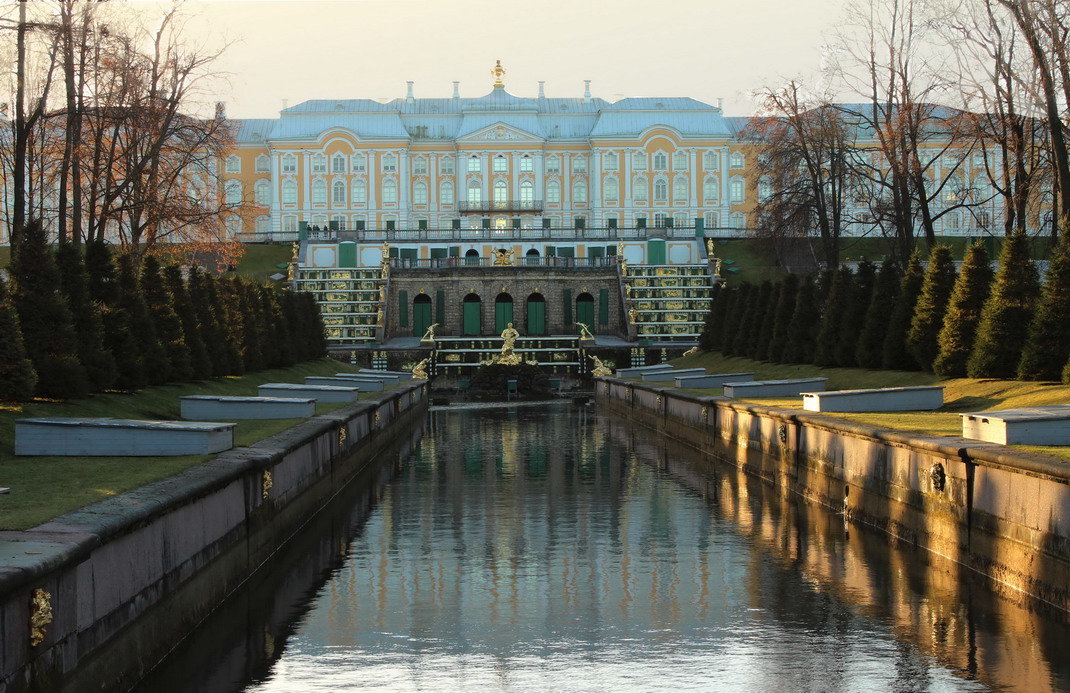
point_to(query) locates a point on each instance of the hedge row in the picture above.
(972, 322)
(74, 323)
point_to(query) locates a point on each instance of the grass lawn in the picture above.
(960, 394)
(261, 260)
(45, 487)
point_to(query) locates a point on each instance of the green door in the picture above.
(655, 252)
(536, 315)
(471, 318)
(421, 315)
(585, 310)
(503, 312)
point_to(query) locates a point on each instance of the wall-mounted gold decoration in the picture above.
(705, 415)
(376, 419)
(341, 436)
(266, 484)
(657, 402)
(40, 615)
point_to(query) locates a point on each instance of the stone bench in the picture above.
(1048, 425)
(105, 437)
(916, 398)
(320, 393)
(670, 375)
(209, 408)
(713, 379)
(635, 371)
(404, 376)
(773, 388)
(386, 380)
(361, 384)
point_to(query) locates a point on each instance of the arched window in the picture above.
(679, 161)
(390, 192)
(390, 163)
(501, 193)
(445, 193)
(579, 192)
(475, 192)
(735, 190)
(527, 192)
(639, 161)
(263, 163)
(289, 191)
(233, 192)
(289, 163)
(233, 164)
(262, 192)
(711, 189)
(661, 161)
(472, 306)
(319, 163)
(501, 164)
(289, 223)
(233, 226)
(445, 165)
(737, 220)
(526, 164)
(611, 190)
(360, 163)
(196, 189)
(661, 191)
(711, 161)
(953, 190)
(319, 192)
(360, 192)
(639, 190)
(419, 193)
(679, 189)
(338, 193)
(553, 192)
(536, 308)
(712, 219)
(338, 221)
(263, 224)
(952, 221)
(735, 160)
(611, 162)
(419, 166)
(473, 164)
(553, 165)
(765, 189)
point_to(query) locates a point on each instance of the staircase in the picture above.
(349, 301)
(670, 301)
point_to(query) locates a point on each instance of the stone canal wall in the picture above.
(94, 598)
(1004, 513)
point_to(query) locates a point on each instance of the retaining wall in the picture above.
(1002, 512)
(150, 564)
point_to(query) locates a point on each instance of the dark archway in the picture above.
(585, 310)
(503, 312)
(471, 257)
(532, 256)
(421, 315)
(472, 316)
(536, 317)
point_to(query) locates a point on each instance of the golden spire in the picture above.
(497, 73)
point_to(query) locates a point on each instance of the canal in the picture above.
(553, 547)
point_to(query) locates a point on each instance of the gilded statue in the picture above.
(497, 72)
(379, 315)
(507, 357)
(429, 336)
(291, 270)
(296, 249)
(382, 293)
(709, 247)
(633, 316)
(693, 351)
(585, 332)
(419, 371)
(503, 258)
(600, 369)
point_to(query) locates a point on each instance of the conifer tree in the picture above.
(735, 317)
(711, 325)
(100, 273)
(17, 376)
(1047, 345)
(317, 335)
(88, 319)
(215, 340)
(760, 347)
(738, 338)
(733, 304)
(1007, 313)
(168, 326)
(230, 324)
(200, 363)
(290, 308)
(836, 311)
(931, 308)
(119, 336)
(959, 330)
(235, 292)
(895, 355)
(749, 346)
(870, 350)
(279, 334)
(785, 306)
(855, 316)
(47, 324)
(141, 325)
(805, 321)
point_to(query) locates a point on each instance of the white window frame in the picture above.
(419, 193)
(679, 161)
(661, 191)
(553, 192)
(289, 163)
(289, 191)
(419, 166)
(359, 191)
(445, 193)
(263, 164)
(679, 188)
(359, 162)
(500, 164)
(319, 163)
(336, 199)
(390, 163)
(640, 161)
(445, 165)
(736, 160)
(661, 161)
(579, 192)
(526, 164)
(319, 191)
(474, 165)
(262, 192)
(611, 190)
(338, 163)
(390, 192)
(233, 164)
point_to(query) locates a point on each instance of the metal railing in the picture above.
(488, 206)
(530, 261)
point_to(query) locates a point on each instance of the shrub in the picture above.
(200, 362)
(17, 376)
(870, 348)
(142, 326)
(929, 312)
(88, 319)
(168, 325)
(894, 354)
(1047, 344)
(836, 311)
(1007, 313)
(957, 334)
(855, 315)
(805, 321)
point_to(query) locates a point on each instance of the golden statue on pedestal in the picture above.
(693, 351)
(585, 332)
(429, 336)
(600, 369)
(507, 357)
(633, 316)
(419, 371)
(709, 247)
(379, 317)
(497, 72)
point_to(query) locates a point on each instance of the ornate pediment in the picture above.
(500, 132)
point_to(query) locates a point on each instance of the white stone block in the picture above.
(773, 388)
(105, 437)
(713, 379)
(208, 407)
(320, 393)
(919, 398)
(1048, 425)
(670, 375)
(362, 384)
(636, 371)
(387, 379)
(402, 375)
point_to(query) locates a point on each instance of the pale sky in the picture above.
(295, 50)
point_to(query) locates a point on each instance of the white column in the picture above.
(594, 186)
(372, 179)
(404, 185)
(306, 185)
(276, 192)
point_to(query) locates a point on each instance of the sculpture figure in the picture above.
(585, 332)
(429, 336)
(709, 247)
(633, 316)
(600, 369)
(507, 357)
(503, 258)
(693, 351)
(379, 317)
(419, 371)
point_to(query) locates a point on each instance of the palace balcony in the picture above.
(500, 207)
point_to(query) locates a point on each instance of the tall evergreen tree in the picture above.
(102, 284)
(231, 324)
(317, 334)
(760, 347)
(235, 292)
(17, 376)
(279, 334)
(805, 322)
(711, 325)
(210, 322)
(47, 324)
(836, 311)
(737, 317)
(963, 313)
(762, 307)
(931, 308)
(292, 309)
(870, 349)
(855, 316)
(746, 320)
(734, 299)
(895, 355)
(88, 318)
(168, 326)
(1047, 345)
(200, 363)
(119, 336)
(785, 306)
(1007, 313)
(142, 325)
